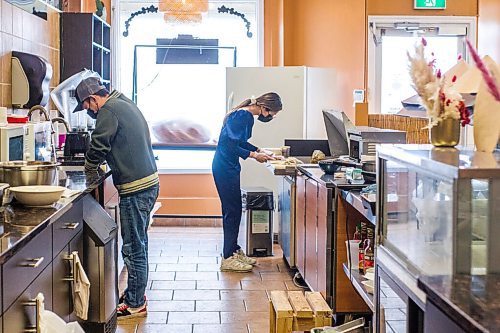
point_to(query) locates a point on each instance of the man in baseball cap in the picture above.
(121, 138)
(89, 87)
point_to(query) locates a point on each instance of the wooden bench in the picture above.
(293, 311)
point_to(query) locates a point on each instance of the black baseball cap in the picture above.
(86, 88)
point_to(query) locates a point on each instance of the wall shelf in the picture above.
(92, 36)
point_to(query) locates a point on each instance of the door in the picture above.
(322, 238)
(311, 223)
(300, 230)
(389, 82)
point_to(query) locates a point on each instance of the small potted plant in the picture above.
(445, 106)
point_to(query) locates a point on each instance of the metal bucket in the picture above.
(23, 173)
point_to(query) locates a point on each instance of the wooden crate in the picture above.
(293, 311)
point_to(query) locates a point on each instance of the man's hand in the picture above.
(261, 157)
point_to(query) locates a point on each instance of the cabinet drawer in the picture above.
(68, 226)
(22, 314)
(20, 270)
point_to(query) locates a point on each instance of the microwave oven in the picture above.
(38, 141)
(12, 142)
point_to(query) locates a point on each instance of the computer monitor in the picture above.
(337, 125)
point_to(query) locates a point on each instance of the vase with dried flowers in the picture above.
(445, 106)
(487, 105)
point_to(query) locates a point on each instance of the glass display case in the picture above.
(436, 208)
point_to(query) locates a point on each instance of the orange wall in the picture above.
(326, 33)
(273, 33)
(332, 33)
(187, 194)
(90, 7)
(489, 28)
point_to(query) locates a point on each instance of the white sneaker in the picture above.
(234, 264)
(243, 258)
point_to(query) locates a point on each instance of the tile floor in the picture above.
(188, 294)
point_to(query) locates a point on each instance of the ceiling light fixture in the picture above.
(183, 10)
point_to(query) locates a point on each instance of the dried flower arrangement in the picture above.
(439, 98)
(488, 78)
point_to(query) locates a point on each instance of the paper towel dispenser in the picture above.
(31, 75)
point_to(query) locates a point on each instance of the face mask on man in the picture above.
(91, 113)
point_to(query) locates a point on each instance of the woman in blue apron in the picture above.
(233, 144)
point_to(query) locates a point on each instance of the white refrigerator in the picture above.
(304, 91)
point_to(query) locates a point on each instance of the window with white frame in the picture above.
(182, 93)
(390, 38)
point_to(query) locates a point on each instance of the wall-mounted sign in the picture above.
(430, 4)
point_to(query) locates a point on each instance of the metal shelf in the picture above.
(356, 280)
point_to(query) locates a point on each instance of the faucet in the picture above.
(63, 121)
(40, 109)
(53, 131)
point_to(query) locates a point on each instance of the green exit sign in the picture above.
(430, 4)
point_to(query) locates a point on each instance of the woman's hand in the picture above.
(261, 157)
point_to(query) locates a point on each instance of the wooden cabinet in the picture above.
(85, 43)
(21, 315)
(311, 223)
(300, 231)
(322, 234)
(311, 256)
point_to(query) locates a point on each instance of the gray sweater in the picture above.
(121, 138)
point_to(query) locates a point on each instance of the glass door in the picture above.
(392, 38)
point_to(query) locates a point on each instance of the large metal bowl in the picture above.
(24, 173)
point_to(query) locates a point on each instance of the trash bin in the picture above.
(258, 206)
(100, 262)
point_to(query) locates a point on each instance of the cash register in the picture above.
(344, 138)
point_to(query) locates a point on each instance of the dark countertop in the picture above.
(472, 302)
(19, 224)
(353, 197)
(328, 180)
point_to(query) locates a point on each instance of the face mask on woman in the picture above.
(265, 119)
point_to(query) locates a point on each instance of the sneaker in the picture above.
(123, 311)
(122, 299)
(234, 264)
(243, 258)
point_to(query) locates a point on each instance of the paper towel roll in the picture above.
(3, 116)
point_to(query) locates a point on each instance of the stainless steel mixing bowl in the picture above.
(22, 173)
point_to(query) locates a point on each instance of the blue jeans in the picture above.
(228, 187)
(135, 210)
